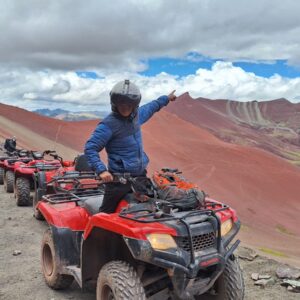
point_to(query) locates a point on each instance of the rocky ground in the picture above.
(20, 272)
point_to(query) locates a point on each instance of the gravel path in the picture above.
(21, 277)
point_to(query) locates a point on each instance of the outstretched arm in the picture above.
(95, 144)
(146, 111)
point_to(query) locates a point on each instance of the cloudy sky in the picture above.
(69, 53)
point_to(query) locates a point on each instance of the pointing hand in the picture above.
(172, 96)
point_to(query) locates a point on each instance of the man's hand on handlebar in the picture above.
(106, 176)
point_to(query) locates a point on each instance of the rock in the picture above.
(17, 252)
(264, 276)
(255, 276)
(292, 285)
(265, 282)
(287, 272)
(247, 253)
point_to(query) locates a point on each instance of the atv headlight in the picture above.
(226, 227)
(161, 241)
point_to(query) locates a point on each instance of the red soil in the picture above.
(263, 188)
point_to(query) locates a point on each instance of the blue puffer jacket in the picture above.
(122, 139)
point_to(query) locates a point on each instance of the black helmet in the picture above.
(125, 92)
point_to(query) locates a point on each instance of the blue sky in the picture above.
(184, 67)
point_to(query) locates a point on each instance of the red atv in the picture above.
(156, 249)
(8, 168)
(45, 181)
(4, 155)
(25, 173)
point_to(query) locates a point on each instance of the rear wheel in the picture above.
(39, 181)
(119, 280)
(9, 181)
(230, 285)
(36, 198)
(1, 175)
(51, 265)
(22, 190)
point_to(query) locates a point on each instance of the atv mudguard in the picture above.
(67, 245)
(64, 215)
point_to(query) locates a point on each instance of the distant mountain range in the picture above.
(66, 115)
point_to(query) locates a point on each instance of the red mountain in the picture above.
(271, 125)
(262, 187)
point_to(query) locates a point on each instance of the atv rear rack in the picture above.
(72, 196)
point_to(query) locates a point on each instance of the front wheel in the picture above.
(119, 280)
(1, 175)
(51, 265)
(22, 191)
(230, 285)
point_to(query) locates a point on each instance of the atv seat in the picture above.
(92, 204)
(37, 155)
(81, 164)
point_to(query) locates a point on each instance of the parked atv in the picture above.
(3, 157)
(46, 183)
(145, 250)
(25, 174)
(9, 165)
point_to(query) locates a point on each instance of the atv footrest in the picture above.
(76, 273)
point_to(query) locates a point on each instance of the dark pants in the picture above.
(114, 192)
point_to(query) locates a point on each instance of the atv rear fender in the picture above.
(64, 215)
(67, 246)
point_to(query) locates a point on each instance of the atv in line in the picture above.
(8, 168)
(26, 173)
(46, 182)
(9, 155)
(157, 249)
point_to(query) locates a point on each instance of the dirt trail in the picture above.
(21, 278)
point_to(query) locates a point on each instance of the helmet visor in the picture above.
(119, 99)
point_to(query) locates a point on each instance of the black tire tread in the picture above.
(234, 281)
(9, 181)
(56, 281)
(1, 175)
(36, 213)
(123, 281)
(22, 191)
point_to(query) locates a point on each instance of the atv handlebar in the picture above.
(47, 152)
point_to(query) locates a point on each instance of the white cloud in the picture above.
(31, 90)
(116, 35)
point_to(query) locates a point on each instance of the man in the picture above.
(120, 134)
(10, 145)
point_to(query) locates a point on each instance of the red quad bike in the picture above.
(45, 180)
(4, 155)
(145, 250)
(9, 165)
(25, 174)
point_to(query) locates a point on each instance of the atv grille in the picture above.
(200, 242)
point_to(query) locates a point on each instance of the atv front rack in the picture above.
(74, 186)
(160, 216)
(135, 213)
(42, 167)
